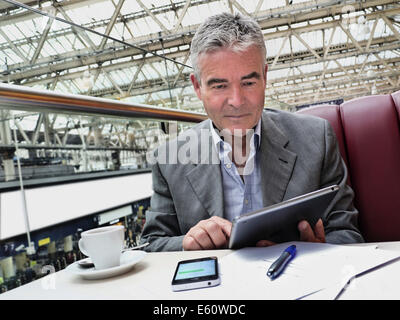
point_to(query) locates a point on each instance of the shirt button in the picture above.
(228, 165)
(246, 201)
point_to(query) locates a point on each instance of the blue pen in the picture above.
(279, 265)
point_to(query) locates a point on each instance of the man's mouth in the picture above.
(236, 116)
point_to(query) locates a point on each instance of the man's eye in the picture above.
(248, 83)
(219, 86)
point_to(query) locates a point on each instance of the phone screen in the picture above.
(196, 273)
(196, 269)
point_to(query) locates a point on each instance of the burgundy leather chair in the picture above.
(368, 132)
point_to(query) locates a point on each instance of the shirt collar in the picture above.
(218, 140)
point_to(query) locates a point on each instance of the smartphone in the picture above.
(196, 273)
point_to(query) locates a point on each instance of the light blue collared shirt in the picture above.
(240, 196)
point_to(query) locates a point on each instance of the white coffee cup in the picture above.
(103, 245)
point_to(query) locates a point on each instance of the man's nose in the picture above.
(235, 98)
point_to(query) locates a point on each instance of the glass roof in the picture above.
(307, 46)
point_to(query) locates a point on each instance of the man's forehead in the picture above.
(211, 66)
(252, 75)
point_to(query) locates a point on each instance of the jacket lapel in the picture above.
(276, 162)
(205, 177)
(206, 182)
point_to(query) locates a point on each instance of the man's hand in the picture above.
(306, 233)
(208, 234)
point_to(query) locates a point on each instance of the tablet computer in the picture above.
(278, 223)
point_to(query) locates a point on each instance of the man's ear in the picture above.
(265, 76)
(265, 72)
(196, 85)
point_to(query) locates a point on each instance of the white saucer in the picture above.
(128, 260)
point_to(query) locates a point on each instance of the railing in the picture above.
(26, 98)
(79, 134)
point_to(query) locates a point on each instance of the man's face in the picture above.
(232, 87)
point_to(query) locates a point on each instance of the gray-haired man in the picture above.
(265, 156)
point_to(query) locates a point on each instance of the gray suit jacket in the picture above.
(299, 154)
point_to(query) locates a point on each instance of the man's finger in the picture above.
(190, 243)
(306, 233)
(202, 237)
(216, 233)
(226, 225)
(319, 230)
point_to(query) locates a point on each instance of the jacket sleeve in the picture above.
(161, 228)
(340, 219)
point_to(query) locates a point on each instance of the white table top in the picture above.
(151, 279)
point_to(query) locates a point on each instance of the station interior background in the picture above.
(64, 170)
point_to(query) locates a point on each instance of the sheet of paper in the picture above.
(315, 268)
(375, 261)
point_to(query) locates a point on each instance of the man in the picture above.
(262, 156)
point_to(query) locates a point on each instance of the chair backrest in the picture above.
(368, 132)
